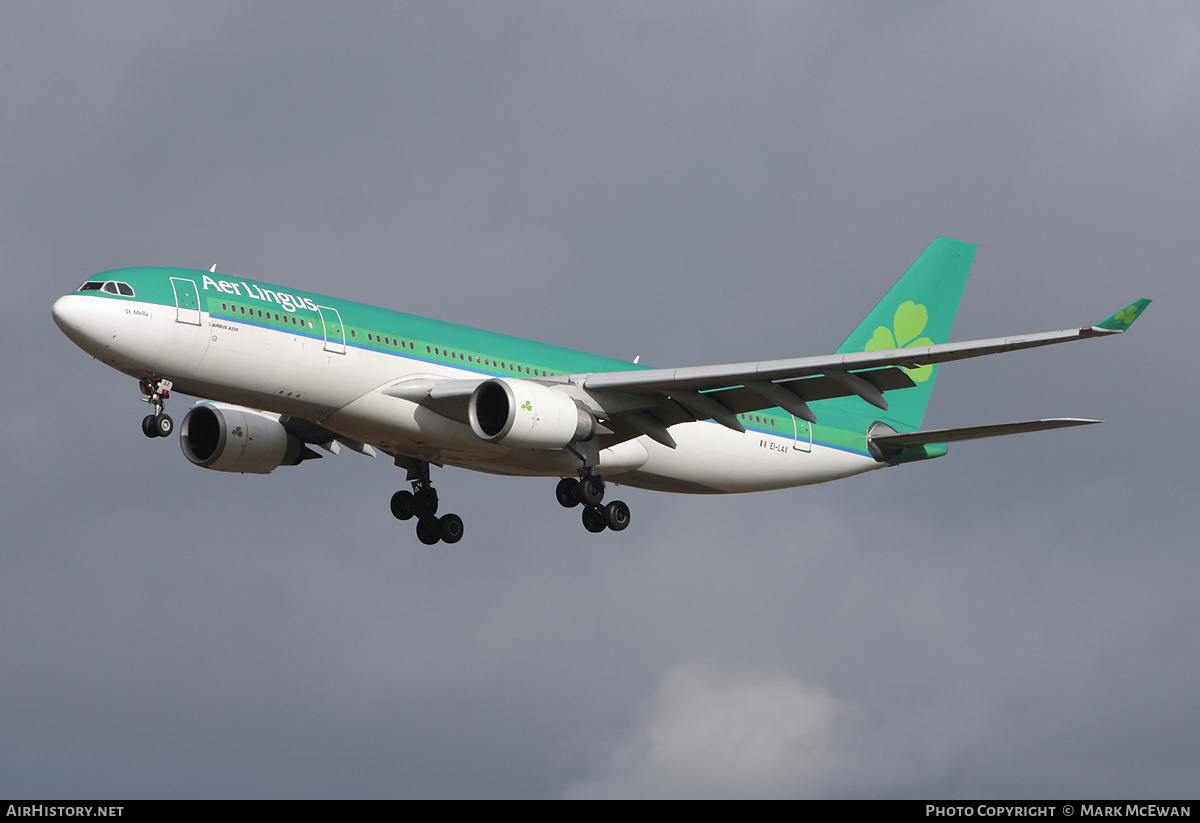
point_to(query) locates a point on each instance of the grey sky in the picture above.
(688, 182)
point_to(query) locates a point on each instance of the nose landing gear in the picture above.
(160, 423)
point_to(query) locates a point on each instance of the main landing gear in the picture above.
(589, 490)
(422, 503)
(160, 423)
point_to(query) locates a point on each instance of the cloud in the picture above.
(710, 732)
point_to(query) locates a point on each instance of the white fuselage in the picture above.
(297, 374)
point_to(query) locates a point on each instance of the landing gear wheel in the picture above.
(567, 492)
(427, 531)
(402, 505)
(591, 490)
(425, 503)
(164, 425)
(156, 392)
(450, 528)
(616, 515)
(594, 519)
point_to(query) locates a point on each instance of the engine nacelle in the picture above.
(527, 415)
(228, 438)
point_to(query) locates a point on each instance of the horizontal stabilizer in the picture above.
(919, 438)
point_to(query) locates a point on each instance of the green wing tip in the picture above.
(1125, 317)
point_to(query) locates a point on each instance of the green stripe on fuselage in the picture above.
(434, 341)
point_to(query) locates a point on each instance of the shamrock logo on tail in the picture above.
(1128, 315)
(910, 320)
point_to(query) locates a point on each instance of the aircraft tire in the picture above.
(425, 503)
(427, 531)
(567, 492)
(402, 505)
(164, 425)
(591, 490)
(450, 528)
(616, 515)
(149, 426)
(594, 519)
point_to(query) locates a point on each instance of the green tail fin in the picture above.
(918, 311)
(1125, 317)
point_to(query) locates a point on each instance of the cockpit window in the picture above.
(112, 287)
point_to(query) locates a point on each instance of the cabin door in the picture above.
(187, 301)
(335, 337)
(803, 440)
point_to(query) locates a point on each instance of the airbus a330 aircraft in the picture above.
(284, 370)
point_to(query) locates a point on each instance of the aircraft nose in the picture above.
(68, 313)
(71, 314)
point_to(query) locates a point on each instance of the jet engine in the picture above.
(527, 415)
(228, 438)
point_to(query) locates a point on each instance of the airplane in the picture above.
(282, 370)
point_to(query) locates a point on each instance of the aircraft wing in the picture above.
(650, 401)
(789, 383)
(448, 398)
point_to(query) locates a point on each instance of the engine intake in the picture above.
(527, 415)
(229, 438)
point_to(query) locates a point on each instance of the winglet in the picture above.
(1125, 317)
